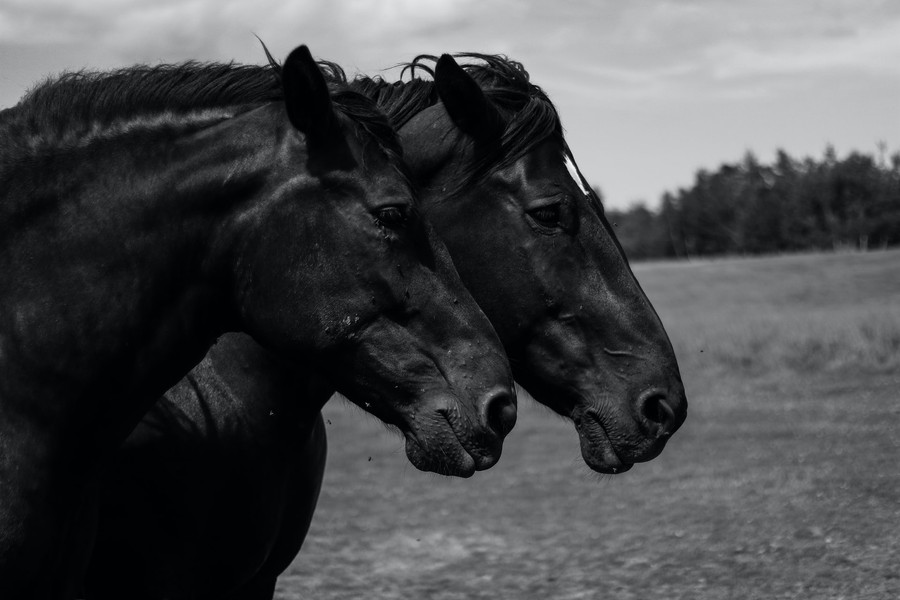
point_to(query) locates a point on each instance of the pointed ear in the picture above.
(306, 96)
(466, 104)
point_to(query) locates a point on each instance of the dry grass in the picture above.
(799, 314)
(783, 483)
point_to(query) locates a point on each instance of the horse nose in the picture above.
(498, 410)
(661, 413)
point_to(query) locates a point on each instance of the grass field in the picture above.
(783, 483)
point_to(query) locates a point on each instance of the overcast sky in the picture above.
(649, 90)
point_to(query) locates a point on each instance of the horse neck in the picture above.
(146, 229)
(263, 385)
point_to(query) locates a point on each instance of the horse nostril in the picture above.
(657, 413)
(500, 412)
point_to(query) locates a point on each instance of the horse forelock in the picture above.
(375, 125)
(530, 116)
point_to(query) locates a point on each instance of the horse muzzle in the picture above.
(612, 441)
(443, 440)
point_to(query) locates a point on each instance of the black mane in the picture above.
(530, 115)
(75, 103)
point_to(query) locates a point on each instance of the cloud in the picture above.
(707, 51)
(874, 49)
(386, 19)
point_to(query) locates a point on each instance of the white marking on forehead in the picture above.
(576, 174)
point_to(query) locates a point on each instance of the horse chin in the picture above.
(604, 461)
(439, 440)
(450, 459)
(597, 449)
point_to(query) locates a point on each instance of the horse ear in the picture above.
(466, 104)
(306, 96)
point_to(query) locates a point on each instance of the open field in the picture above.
(783, 483)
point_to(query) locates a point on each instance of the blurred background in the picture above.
(747, 154)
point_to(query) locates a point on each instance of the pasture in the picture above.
(783, 483)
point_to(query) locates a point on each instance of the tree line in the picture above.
(787, 206)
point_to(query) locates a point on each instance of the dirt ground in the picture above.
(783, 483)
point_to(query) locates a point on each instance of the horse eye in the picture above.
(548, 216)
(391, 216)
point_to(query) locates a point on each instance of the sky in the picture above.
(649, 91)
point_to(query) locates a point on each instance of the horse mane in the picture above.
(76, 103)
(530, 116)
(69, 107)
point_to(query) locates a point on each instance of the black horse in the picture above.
(145, 212)
(209, 498)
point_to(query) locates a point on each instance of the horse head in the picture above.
(531, 242)
(389, 321)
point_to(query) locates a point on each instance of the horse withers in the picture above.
(146, 211)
